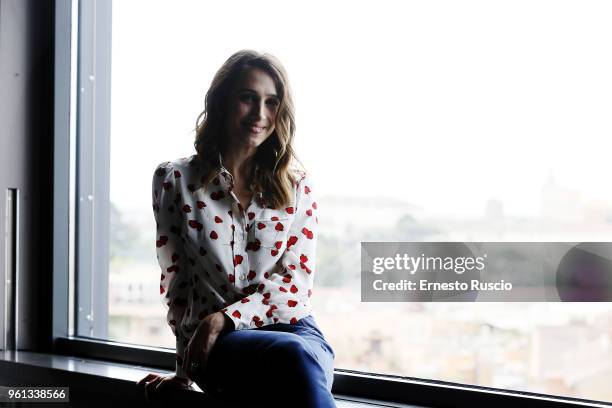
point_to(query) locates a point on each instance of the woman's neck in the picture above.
(240, 164)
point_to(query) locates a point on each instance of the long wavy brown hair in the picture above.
(275, 158)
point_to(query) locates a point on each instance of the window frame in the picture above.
(67, 113)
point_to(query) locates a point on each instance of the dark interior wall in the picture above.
(26, 158)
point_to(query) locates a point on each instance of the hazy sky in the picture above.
(444, 104)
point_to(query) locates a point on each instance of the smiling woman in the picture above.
(252, 107)
(236, 239)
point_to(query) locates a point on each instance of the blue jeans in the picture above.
(285, 365)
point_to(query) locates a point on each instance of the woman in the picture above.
(236, 237)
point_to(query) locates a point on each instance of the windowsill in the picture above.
(96, 380)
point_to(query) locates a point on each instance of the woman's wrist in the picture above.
(217, 323)
(228, 324)
(184, 380)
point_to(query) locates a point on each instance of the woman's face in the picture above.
(252, 109)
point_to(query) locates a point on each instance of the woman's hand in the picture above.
(155, 383)
(202, 341)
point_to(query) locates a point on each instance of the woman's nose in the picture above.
(260, 110)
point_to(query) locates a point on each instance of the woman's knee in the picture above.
(292, 352)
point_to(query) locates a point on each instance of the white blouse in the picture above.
(256, 265)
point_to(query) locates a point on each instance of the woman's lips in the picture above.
(255, 129)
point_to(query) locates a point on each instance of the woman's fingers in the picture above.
(150, 387)
(163, 384)
(172, 382)
(146, 379)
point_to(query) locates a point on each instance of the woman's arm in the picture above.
(202, 342)
(174, 281)
(284, 296)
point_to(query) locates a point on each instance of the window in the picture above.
(471, 121)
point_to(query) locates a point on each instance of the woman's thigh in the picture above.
(261, 362)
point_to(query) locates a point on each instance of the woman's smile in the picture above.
(254, 128)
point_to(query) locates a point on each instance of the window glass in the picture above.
(418, 121)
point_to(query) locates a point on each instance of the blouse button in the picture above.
(242, 277)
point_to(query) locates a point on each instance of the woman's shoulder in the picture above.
(302, 182)
(300, 176)
(180, 167)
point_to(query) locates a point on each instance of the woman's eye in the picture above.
(273, 102)
(247, 98)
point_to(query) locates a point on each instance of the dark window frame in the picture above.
(70, 111)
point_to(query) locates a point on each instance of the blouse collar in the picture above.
(225, 173)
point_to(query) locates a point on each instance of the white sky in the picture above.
(444, 104)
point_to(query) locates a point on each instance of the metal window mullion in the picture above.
(93, 171)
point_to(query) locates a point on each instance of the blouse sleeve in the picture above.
(284, 296)
(175, 272)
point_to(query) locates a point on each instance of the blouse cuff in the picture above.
(240, 315)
